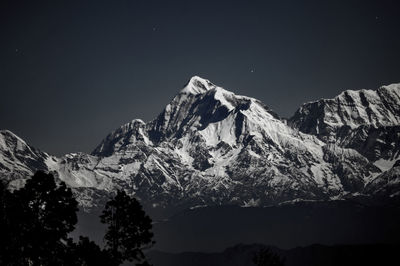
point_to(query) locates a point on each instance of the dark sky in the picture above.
(70, 72)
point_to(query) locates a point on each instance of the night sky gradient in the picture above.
(72, 71)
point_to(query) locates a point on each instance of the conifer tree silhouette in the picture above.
(87, 253)
(129, 229)
(42, 213)
(36, 219)
(5, 234)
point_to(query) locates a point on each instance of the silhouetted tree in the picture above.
(265, 257)
(5, 234)
(42, 215)
(129, 229)
(87, 253)
(36, 219)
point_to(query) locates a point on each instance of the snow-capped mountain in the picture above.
(211, 147)
(18, 159)
(367, 121)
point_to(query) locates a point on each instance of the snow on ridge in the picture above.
(197, 85)
(353, 108)
(220, 95)
(7, 133)
(245, 146)
(20, 144)
(392, 87)
(395, 87)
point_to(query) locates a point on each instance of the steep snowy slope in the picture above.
(211, 147)
(365, 120)
(351, 108)
(18, 160)
(387, 183)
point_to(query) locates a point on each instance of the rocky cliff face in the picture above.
(212, 147)
(18, 160)
(367, 121)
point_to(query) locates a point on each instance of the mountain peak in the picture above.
(197, 85)
(7, 132)
(210, 146)
(7, 135)
(393, 86)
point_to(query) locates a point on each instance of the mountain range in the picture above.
(212, 147)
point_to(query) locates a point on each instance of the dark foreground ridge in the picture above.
(212, 229)
(314, 255)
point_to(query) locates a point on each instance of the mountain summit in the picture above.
(197, 85)
(212, 147)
